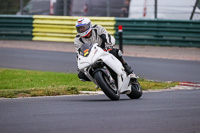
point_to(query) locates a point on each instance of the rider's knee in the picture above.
(116, 52)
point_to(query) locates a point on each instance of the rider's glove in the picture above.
(108, 47)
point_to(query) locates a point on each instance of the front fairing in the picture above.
(91, 58)
(96, 54)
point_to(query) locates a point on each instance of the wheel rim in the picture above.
(111, 85)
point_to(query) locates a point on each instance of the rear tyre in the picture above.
(136, 90)
(105, 86)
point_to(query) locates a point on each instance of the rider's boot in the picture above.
(118, 53)
(128, 69)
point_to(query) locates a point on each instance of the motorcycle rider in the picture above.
(91, 34)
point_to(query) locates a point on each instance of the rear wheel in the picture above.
(136, 90)
(107, 86)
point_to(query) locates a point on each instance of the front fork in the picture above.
(107, 73)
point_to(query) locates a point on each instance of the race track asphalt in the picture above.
(155, 112)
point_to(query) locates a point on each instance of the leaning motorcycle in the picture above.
(107, 72)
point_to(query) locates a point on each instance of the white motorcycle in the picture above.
(107, 72)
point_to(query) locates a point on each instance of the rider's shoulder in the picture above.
(96, 26)
(76, 39)
(77, 36)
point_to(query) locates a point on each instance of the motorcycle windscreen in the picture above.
(85, 49)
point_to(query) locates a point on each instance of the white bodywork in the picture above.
(97, 54)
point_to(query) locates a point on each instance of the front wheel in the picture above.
(136, 90)
(109, 89)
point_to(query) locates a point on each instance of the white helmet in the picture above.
(83, 26)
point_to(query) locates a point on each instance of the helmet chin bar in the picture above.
(90, 32)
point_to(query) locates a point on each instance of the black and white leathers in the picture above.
(99, 35)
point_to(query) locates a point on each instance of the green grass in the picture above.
(147, 85)
(26, 83)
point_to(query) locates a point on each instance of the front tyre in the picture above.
(106, 87)
(136, 90)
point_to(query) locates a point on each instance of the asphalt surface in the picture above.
(149, 68)
(155, 112)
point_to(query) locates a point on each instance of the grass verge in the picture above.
(25, 83)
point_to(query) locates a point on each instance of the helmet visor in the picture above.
(82, 27)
